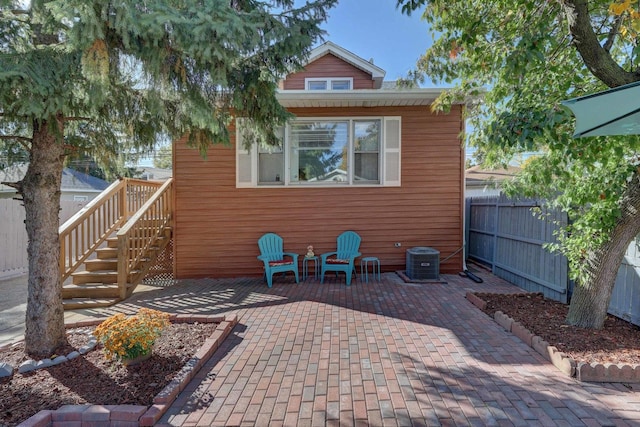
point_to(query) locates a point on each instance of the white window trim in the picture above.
(385, 152)
(329, 80)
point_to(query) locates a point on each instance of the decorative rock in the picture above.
(44, 363)
(6, 370)
(30, 365)
(27, 366)
(86, 349)
(60, 359)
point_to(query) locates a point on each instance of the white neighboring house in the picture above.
(485, 182)
(77, 190)
(155, 174)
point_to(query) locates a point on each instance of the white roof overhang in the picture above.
(357, 98)
(377, 73)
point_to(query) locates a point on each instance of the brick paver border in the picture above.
(588, 372)
(137, 415)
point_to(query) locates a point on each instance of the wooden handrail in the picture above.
(84, 232)
(141, 232)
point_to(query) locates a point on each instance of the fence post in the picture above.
(496, 224)
(467, 225)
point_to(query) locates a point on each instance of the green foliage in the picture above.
(521, 55)
(162, 158)
(122, 74)
(100, 78)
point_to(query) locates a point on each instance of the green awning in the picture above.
(611, 112)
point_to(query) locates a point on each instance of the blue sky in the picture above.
(376, 29)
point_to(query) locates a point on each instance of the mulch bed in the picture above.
(618, 342)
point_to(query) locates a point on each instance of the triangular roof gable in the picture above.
(377, 73)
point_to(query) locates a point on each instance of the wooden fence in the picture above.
(504, 234)
(13, 235)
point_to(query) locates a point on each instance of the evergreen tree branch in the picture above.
(22, 140)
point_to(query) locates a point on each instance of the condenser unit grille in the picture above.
(423, 263)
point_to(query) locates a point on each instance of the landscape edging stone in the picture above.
(587, 372)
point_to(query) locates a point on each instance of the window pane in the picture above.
(317, 85)
(319, 151)
(271, 162)
(367, 135)
(366, 167)
(366, 142)
(270, 168)
(340, 84)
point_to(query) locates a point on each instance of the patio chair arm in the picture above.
(292, 255)
(327, 255)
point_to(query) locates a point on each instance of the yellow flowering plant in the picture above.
(130, 337)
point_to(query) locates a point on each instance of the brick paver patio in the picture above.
(385, 353)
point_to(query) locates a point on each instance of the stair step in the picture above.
(81, 277)
(80, 303)
(112, 242)
(107, 253)
(90, 290)
(101, 264)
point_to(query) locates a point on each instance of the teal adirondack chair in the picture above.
(274, 259)
(343, 259)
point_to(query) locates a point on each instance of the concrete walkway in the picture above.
(13, 305)
(372, 354)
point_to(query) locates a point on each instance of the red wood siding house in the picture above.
(395, 175)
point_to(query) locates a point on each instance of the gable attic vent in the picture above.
(423, 263)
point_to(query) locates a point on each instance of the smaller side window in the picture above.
(340, 85)
(317, 85)
(328, 83)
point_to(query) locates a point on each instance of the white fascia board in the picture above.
(362, 97)
(377, 73)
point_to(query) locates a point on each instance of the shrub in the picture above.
(129, 337)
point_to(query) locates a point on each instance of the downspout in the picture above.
(465, 272)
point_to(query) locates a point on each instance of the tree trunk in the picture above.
(590, 300)
(589, 46)
(45, 329)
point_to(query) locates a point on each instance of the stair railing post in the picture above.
(123, 264)
(122, 202)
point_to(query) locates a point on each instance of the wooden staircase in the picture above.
(109, 246)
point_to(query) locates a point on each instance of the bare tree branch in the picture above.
(612, 34)
(16, 185)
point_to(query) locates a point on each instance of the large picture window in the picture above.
(325, 152)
